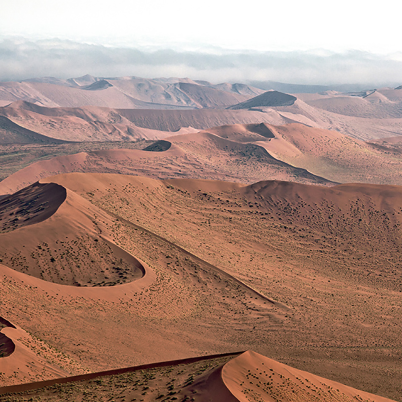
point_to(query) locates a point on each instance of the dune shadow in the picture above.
(158, 146)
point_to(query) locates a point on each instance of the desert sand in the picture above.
(228, 267)
(239, 377)
(261, 243)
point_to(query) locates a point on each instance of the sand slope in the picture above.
(44, 216)
(253, 377)
(246, 377)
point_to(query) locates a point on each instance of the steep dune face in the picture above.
(7, 346)
(173, 120)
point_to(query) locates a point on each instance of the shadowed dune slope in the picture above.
(7, 346)
(270, 98)
(30, 205)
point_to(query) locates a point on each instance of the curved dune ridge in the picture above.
(62, 242)
(252, 377)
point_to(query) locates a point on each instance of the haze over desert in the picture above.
(200, 202)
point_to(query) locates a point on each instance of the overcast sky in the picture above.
(351, 40)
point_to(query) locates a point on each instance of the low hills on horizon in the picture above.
(148, 221)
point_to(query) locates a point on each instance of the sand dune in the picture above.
(375, 104)
(233, 154)
(365, 115)
(11, 133)
(270, 98)
(91, 123)
(30, 205)
(81, 124)
(253, 377)
(245, 377)
(124, 92)
(245, 153)
(43, 215)
(333, 155)
(206, 97)
(235, 249)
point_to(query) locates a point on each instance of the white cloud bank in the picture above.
(23, 59)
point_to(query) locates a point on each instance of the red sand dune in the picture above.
(42, 215)
(125, 92)
(253, 377)
(236, 153)
(246, 377)
(270, 99)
